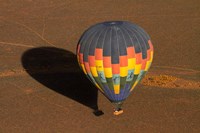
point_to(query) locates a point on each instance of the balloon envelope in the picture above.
(115, 56)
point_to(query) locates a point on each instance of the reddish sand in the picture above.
(43, 90)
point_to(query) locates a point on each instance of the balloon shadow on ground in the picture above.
(58, 70)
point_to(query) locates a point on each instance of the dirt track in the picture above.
(39, 73)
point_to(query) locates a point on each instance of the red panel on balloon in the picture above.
(144, 64)
(78, 48)
(130, 52)
(87, 67)
(115, 68)
(81, 58)
(150, 45)
(123, 61)
(91, 61)
(138, 58)
(98, 54)
(107, 62)
(148, 54)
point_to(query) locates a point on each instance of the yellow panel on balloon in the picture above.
(116, 89)
(94, 71)
(131, 63)
(123, 71)
(147, 65)
(108, 72)
(99, 65)
(136, 82)
(83, 67)
(151, 56)
(137, 69)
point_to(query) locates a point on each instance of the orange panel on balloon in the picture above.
(107, 62)
(144, 64)
(98, 54)
(123, 61)
(150, 45)
(115, 68)
(138, 58)
(81, 58)
(91, 60)
(78, 48)
(130, 52)
(87, 67)
(148, 54)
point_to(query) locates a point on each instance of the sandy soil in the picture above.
(43, 90)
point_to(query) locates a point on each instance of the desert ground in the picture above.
(42, 89)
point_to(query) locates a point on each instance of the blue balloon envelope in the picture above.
(115, 55)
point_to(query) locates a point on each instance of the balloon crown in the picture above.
(112, 23)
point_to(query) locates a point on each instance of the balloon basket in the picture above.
(118, 111)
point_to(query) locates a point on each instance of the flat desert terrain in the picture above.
(42, 89)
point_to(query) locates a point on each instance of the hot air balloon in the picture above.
(115, 55)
